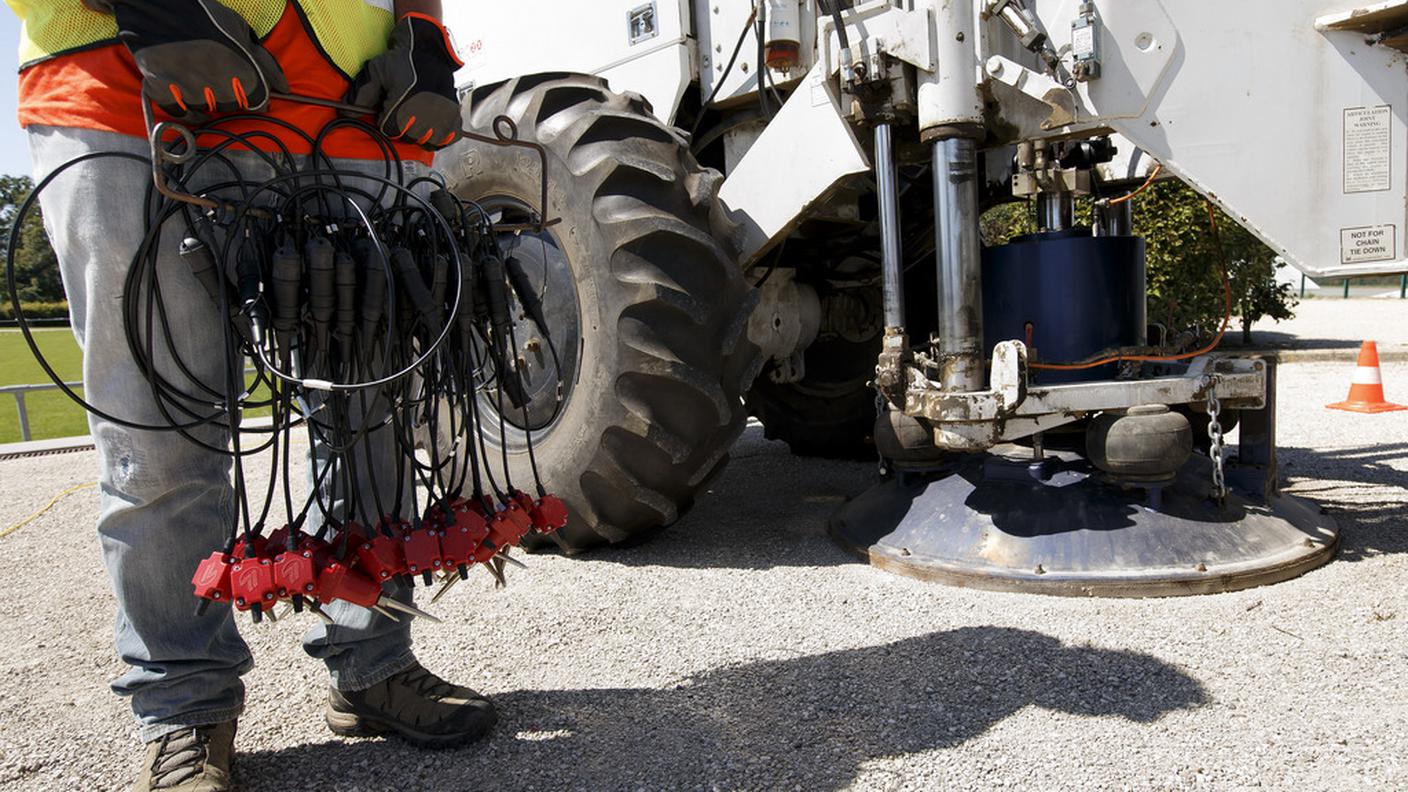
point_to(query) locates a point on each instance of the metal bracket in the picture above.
(877, 27)
(1011, 408)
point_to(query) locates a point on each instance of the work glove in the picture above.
(197, 57)
(412, 85)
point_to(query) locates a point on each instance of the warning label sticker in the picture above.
(1368, 146)
(1370, 243)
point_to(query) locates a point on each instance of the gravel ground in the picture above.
(741, 649)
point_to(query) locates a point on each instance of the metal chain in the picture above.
(1218, 448)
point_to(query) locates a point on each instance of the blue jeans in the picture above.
(166, 503)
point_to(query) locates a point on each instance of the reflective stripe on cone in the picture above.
(1366, 388)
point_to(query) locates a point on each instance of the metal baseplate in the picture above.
(998, 522)
(1013, 518)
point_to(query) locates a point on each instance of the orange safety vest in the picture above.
(349, 32)
(85, 79)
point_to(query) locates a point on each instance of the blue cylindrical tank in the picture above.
(1067, 295)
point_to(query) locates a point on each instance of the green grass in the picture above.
(51, 414)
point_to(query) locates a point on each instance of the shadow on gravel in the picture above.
(1350, 483)
(807, 723)
(1279, 340)
(767, 509)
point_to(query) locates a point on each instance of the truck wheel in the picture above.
(831, 412)
(647, 310)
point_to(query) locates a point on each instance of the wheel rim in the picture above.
(545, 360)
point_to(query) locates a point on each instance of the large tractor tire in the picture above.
(830, 412)
(647, 308)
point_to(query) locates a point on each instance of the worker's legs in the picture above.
(165, 502)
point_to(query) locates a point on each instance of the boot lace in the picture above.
(426, 684)
(180, 757)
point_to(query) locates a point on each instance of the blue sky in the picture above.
(14, 148)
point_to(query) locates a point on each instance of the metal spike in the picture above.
(497, 573)
(384, 612)
(445, 588)
(409, 609)
(320, 613)
(506, 557)
(273, 619)
(284, 613)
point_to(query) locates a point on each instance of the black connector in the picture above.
(322, 290)
(201, 262)
(249, 286)
(286, 279)
(413, 286)
(447, 205)
(496, 290)
(373, 290)
(440, 281)
(345, 279)
(322, 293)
(471, 305)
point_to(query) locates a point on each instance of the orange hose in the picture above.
(1153, 174)
(1216, 342)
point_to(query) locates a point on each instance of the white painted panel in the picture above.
(805, 152)
(500, 40)
(1251, 110)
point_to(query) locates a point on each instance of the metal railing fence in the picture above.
(1402, 286)
(20, 392)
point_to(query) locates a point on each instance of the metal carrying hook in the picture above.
(505, 136)
(161, 155)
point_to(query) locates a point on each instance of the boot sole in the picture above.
(350, 724)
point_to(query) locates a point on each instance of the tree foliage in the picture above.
(1185, 260)
(36, 267)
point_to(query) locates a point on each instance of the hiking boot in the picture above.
(191, 760)
(416, 705)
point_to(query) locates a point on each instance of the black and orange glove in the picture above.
(197, 57)
(412, 84)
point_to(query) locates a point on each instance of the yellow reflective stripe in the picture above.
(54, 26)
(262, 15)
(350, 32)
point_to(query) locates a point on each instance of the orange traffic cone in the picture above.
(1366, 389)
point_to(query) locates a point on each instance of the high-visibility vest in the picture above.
(349, 32)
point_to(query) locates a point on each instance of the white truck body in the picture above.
(1277, 110)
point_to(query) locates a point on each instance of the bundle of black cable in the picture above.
(362, 308)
